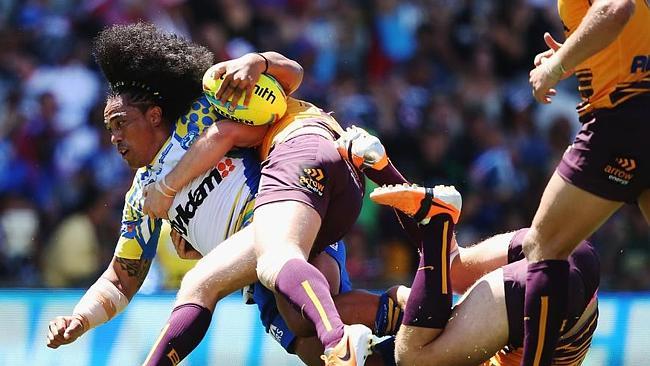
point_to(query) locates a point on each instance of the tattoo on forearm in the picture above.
(137, 268)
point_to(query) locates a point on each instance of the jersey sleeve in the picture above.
(139, 234)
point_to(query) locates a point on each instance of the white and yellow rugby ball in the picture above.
(267, 105)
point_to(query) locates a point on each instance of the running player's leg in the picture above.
(599, 171)
(566, 215)
(228, 267)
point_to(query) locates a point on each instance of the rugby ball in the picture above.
(267, 105)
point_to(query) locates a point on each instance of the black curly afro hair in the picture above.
(150, 67)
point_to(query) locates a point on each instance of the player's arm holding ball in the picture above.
(238, 78)
(241, 74)
(108, 296)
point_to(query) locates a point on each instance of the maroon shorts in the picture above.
(308, 168)
(610, 156)
(584, 278)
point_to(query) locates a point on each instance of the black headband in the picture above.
(120, 86)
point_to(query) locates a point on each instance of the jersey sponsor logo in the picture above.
(313, 179)
(225, 167)
(184, 213)
(622, 171)
(640, 63)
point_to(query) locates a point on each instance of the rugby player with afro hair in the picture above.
(154, 79)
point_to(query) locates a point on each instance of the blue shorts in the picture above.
(271, 318)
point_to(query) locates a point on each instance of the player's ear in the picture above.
(154, 116)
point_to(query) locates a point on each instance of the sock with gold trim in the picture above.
(545, 307)
(184, 331)
(309, 292)
(429, 304)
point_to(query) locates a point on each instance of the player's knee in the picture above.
(270, 263)
(538, 246)
(193, 289)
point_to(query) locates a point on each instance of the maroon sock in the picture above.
(308, 291)
(429, 304)
(545, 304)
(388, 175)
(184, 331)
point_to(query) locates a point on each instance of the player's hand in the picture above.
(156, 205)
(542, 80)
(553, 46)
(184, 249)
(63, 330)
(239, 78)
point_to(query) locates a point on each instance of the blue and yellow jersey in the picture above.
(619, 71)
(208, 210)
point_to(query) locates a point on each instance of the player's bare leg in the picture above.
(470, 263)
(644, 205)
(471, 335)
(282, 246)
(228, 267)
(566, 215)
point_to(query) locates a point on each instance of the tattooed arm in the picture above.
(127, 274)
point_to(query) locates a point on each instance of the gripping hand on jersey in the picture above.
(548, 71)
(239, 78)
(184, 249)
(157, 201)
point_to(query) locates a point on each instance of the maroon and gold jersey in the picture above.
(619, 71)
(572, 347)
(297, 110)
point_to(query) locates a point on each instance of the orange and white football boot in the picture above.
(421, 203)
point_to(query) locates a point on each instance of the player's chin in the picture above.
(132, 162)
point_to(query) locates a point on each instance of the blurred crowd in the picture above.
(442, 82)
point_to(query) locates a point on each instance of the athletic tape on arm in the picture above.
(100, 303)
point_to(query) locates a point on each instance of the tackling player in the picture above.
(308, 197)
(153, 79)
(486, 326)
(608, 49)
